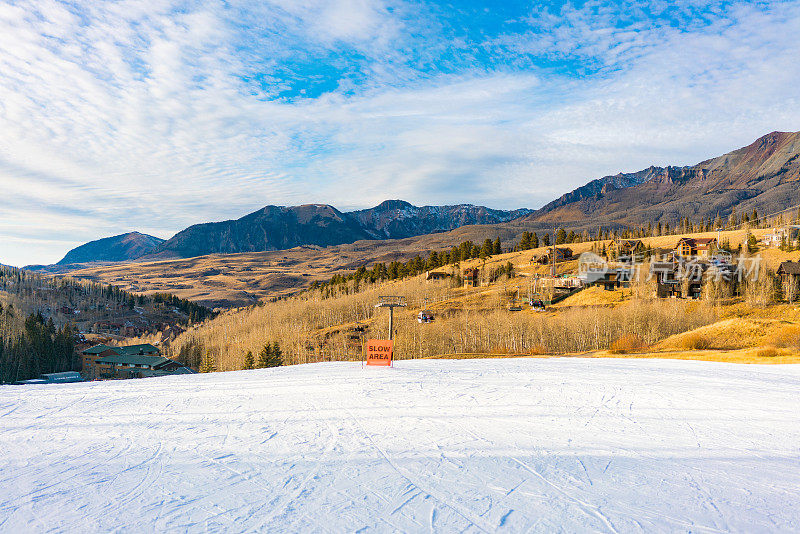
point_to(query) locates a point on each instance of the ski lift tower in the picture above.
(391, 302)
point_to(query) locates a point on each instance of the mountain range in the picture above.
(764, 175)
(279, 227)
(282, 227)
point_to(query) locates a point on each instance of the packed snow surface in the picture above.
(474, 445)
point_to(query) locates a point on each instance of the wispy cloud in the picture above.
(153, 115)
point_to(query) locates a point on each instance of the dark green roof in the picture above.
(97, 349)
(137, 349)
(133, 359)
(129, 350)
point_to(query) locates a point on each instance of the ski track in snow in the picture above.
(514, 445)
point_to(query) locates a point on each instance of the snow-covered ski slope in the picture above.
(515, 445)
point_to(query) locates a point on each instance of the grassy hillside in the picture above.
(236, 280)
(311, 327)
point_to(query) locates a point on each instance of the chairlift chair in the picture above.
(514, 305)
(425, 316)
(536, 302)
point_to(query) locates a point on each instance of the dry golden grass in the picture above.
(480, 356)
(765, 352)
(758, 356)
(787, 336)
(221, 280)
(692, 341)
(742, 356)
(733, 333)
(773, 257)
(594, 296)
(310, 328)
(627, 343)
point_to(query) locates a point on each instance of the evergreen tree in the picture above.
(265, 356)
(208, 365)
(249, 360)
(561, 236)
(525, 242)
(277, 355)
(497, 247)
(534, 240)
(752, 243)
(433, 260)
(486, 249)
(546, 240)
(455, 255)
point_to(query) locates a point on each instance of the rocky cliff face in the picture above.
(764, 175)
(279, 228)
(396, 219)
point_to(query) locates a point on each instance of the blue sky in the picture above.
(154, 115)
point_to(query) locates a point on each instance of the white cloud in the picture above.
(138, 115)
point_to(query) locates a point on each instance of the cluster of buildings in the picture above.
(680, 271)
(784, 236)
(683, 271)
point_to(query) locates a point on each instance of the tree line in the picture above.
(34, 293)
(32, 346)
(197, 312)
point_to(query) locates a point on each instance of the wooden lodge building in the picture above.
(472, 277)
(133, 361)
(700, 247)
(789, 273)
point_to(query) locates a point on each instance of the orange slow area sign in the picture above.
(379, 352)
